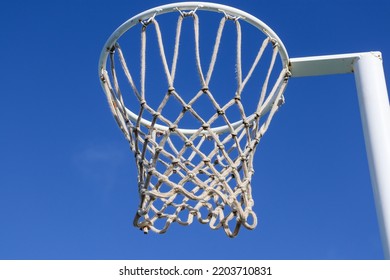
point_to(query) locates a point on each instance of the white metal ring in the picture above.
(174, 7)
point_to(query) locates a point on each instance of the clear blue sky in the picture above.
(68, 180)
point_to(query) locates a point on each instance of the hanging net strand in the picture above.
(199, 174)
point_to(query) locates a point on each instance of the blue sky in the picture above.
(68, 180)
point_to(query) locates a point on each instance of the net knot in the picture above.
(159, 214)
(141, 212)
(173, 127)
(187, 108)
(188, 143)
(221, 146)
(220, 112)
(205, 126)
(151, 170)
(163, 178)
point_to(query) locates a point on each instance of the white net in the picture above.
(202, 173)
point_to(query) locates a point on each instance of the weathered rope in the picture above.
(206, 174)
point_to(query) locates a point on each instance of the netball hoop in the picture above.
(194, 136)
(199, 161)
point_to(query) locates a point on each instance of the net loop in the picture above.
(148, 21)
(184, 14)
(230, 17)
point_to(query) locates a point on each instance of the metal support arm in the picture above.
(375, 115)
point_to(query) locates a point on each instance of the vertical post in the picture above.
(375, 115)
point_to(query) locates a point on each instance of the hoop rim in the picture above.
(174, 7)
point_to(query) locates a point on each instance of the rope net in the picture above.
(203, 173)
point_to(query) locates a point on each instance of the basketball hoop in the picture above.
(197, 163)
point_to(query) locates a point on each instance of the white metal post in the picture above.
(375, 115)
